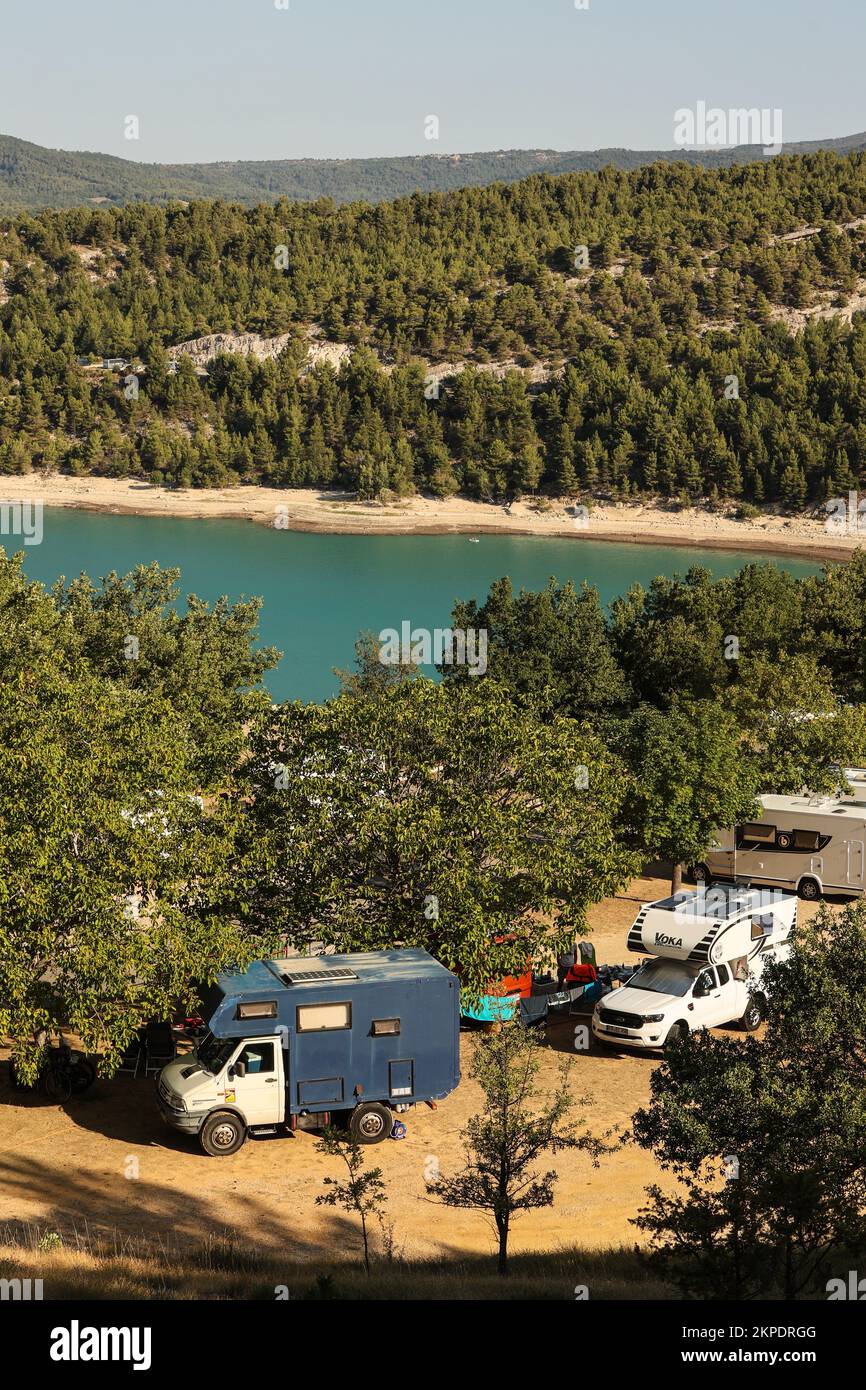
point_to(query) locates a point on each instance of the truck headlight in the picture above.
(653, 1018)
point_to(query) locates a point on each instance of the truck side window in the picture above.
(257, 1058)
(724, 975)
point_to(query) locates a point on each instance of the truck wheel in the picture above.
(221, 1134)
(809, 890)
(752, 1017)
(371, 1123)
(676, 1032)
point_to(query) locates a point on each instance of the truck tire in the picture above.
(222, 1133)
(675, 1033)
(370, 1123)
(808, 890)
(752, 1016)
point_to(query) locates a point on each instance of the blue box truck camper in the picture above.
(305, 1040)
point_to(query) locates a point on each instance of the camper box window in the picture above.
(385, 1027)
(316, 1018)
(762, 926)
(755, 833)
(267, 1009)
(808, 839)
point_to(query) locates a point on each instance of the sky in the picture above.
(287, 79)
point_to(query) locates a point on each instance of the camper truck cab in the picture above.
(709, 949)
(303, 1042)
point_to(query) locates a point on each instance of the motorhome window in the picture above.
(317, 1018)
(385, 1027)
(756, 832)
(258, 1058)
(266, 1009)
(807, 839)
(664, 977)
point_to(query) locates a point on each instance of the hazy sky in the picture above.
(243, 79)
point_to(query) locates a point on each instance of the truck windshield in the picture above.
(664, 977)
(213, 1053)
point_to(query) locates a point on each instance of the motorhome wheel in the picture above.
(370, 1124)
(222, 1133)
(701, 874)
(809, 890)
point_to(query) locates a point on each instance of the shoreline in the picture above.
(314, 511)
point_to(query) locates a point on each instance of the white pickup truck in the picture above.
(708, 950)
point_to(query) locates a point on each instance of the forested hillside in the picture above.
(711, 344)
(34, 177)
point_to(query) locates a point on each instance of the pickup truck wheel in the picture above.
(675, 1033)
(752, 1017)
(221, 1134)
(371, 1123)
(809, 890)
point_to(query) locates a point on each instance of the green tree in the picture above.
(781, 1120)
(514, 1131)
(117, 886)
(362, 1194)
(432, 816)
(691, 776)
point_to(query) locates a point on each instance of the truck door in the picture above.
(733, 996)
(259, 1092)
(855, 863)
(713, 996)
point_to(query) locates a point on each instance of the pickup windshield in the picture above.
(213, 1053)
(664, 977)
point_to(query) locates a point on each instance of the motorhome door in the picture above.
(855, 863)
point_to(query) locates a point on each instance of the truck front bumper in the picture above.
(649, 1038)
(178, 1119)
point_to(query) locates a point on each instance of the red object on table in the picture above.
(581, 974)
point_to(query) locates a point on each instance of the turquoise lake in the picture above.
(320, 591)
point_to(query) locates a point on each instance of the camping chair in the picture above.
(159, 1047)
(133, 1058)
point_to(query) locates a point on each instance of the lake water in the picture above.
(320, 591)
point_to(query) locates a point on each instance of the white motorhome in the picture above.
(707, 954)
(806, 844)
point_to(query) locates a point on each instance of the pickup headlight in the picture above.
(653, 1018)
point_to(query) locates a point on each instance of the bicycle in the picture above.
(63, 1073)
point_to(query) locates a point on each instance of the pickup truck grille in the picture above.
(620, 1020)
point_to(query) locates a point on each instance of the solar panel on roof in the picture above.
(309, 974)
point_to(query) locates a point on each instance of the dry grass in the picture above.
(78, 1264)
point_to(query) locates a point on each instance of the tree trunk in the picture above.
(502, 1263)
(676, 879)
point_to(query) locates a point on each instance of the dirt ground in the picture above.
(106, 1160)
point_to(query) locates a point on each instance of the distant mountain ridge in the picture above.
(33, 177)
